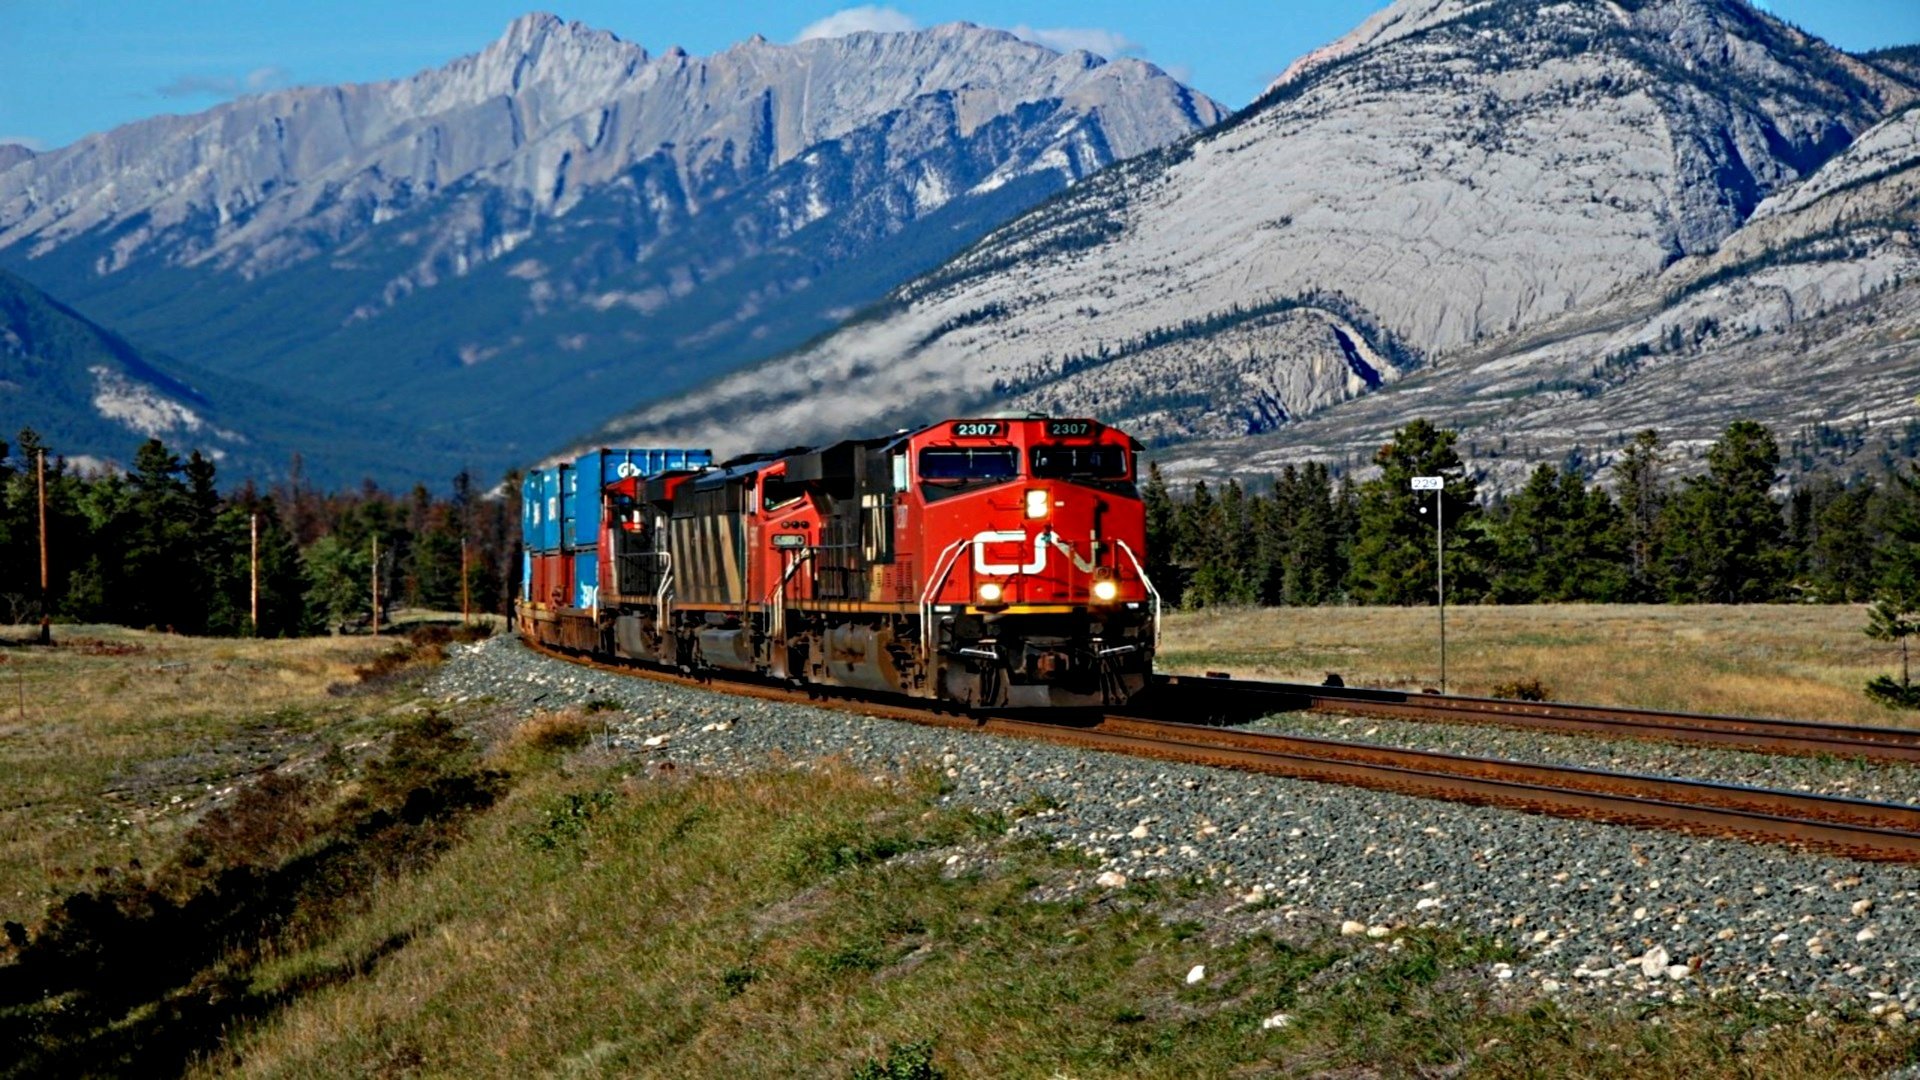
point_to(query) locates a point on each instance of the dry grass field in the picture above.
(115, 737)
(1805, 662)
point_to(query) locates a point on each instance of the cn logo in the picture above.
(982, 566)
(589, 596)
(626, 469)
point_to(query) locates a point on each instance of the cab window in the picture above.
(963, 464)
(1079, 462)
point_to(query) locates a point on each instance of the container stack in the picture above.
(563, 515)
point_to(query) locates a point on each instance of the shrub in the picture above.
(904, 1061)
(1527, 689)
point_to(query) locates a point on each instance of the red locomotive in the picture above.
(989, 562)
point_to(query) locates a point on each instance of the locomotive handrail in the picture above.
(777, 619)
(663, 596)
(949, 559)
(1152, 593)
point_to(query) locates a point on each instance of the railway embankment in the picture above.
(1588, 909)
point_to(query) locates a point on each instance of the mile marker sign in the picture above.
(1429, 483)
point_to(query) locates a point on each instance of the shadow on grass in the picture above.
(141, 976)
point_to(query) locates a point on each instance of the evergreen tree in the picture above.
(338, 580)
(1643, 499)
(1556, 542)
(1895, 614)
(1725, 534)
(1163, 537)
(1223, 552)
(163, 586)
(283, 578)
(1394, 548)
(1838, 554)
(1314, 564)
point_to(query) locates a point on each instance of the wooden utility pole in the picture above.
(465, 609)
(253, 565)
(376, 586)
(46, 591)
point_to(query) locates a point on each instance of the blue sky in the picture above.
(72, 67)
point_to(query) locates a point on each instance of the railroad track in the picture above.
(1855, 827)
(1232, 700)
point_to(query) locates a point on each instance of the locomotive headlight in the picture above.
(991, 592)
(1038, 501)
(1106, 589)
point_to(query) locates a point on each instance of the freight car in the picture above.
(986, 562)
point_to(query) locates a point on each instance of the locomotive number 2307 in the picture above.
(1057, 428)
(976, 429)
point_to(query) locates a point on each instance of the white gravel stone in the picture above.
(1653, 962)
(1196, 973)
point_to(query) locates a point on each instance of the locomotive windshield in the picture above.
(1079, 462)
(963, 464)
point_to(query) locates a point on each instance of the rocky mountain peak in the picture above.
(1451, 173)
(640, 212)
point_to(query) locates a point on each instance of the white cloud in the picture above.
(253, 82)
(853, 20)
(1107, 43)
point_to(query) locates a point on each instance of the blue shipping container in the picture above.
(586, 581)
(613, 466)
(549, 526)
(537, 512)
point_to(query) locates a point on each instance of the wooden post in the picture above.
(376, 586)
(46, 591)
(253, 566)
(465, 607)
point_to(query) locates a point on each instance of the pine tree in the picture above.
(1557, 542)
(1394, 549)
(1163, 537)
(1314, 564)
(283, 579)
(1643, 499)
(1725, 534)
(1837, 558)
(1895, 614)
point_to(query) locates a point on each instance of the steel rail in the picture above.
(1855, 827)
(1238, 699)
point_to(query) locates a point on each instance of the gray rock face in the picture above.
(12, 154)
(1452, 173)
(544, 115)
(615, 218)
(1807, 319)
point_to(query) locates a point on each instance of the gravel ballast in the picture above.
(1596, 909)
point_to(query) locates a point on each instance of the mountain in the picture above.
(1451, 175)
(94, 397)
(503, 250)
(12, 154)
(1808, 318)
